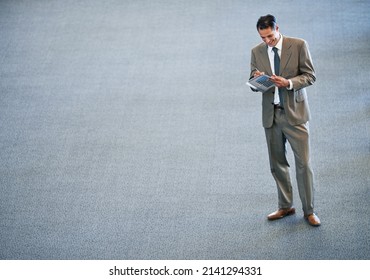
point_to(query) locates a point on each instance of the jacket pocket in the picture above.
(300, 95)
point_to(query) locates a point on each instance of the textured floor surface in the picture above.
(127, 131)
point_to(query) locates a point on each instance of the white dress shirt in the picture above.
(271, 56)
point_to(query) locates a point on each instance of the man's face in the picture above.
(270, 36)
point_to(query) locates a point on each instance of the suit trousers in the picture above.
(298, 138)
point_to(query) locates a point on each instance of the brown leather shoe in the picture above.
(281, 213)
(313, 220)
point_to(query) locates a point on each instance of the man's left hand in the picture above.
(279, 81)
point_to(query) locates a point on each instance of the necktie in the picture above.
(277, 69)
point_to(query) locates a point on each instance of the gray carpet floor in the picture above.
(127, 131)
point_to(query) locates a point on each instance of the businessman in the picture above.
(285, 113)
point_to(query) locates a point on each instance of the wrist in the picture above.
(289, 84)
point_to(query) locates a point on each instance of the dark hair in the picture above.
(266, 22)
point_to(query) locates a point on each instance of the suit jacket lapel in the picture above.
(286, 53)
(265, 59)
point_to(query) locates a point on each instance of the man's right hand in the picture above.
(258, 73)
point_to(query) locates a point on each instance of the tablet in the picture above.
(261, 83)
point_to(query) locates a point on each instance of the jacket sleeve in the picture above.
(306, 74)
(253, 68)
(253, 65)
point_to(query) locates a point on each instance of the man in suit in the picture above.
(285, 113)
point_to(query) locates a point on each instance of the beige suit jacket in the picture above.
(296, 65)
